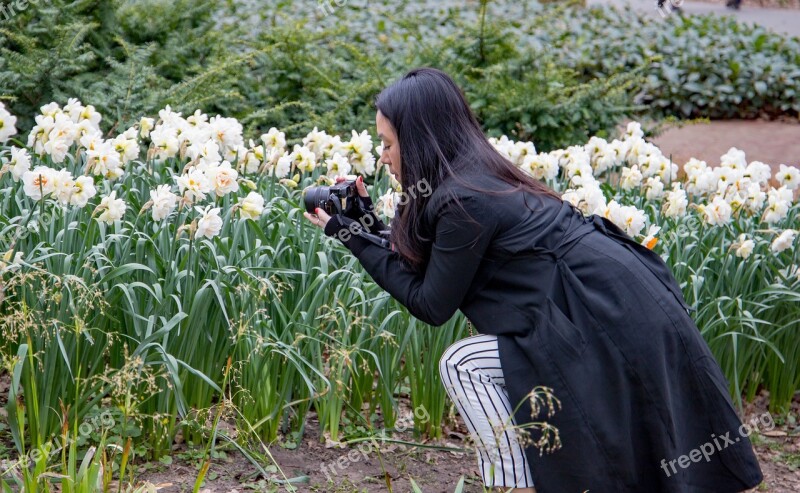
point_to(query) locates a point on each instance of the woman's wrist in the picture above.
(348, 231)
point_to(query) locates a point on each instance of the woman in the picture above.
(560, 300)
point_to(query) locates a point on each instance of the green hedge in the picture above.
(707, 66)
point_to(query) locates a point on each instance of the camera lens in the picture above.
(316, 197)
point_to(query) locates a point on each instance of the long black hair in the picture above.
(439, 137)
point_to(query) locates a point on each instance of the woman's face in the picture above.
(391, 148)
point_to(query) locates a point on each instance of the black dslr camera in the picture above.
(335, 199)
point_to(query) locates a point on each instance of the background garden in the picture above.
(162, 300)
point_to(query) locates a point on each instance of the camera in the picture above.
(335, 199)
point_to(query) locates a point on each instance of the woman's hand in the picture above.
(362, 189)
(320, 219)
(364, 210)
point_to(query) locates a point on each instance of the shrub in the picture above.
(707, 66)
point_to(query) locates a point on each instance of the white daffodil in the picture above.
(575, 161)
(754, 197)
(210, 224)
(588, 198)
(165, 141)
(595, 147)
(337, 165)
(19, 163)
(541, 166)
(734, 159)
(386, 204)
(8, 124)
(91, 114)
(503, 145)
(194, 184)
(650, 240)
(363, 164)
(91, 141)
(619, 150)
(164, 202)
(666, 169)
(63, 129)
(282, 166)
(274, 139)
(360, 143)
(57, 149)
(717, 212)
(38, 134)
(10, 261)
(333, 146)
(51, 109)
(252, 206)
(223, 179)
(744, 247)
(73, 109)
(783, 241)
(654, 188)
(634, 131)
(360, 153)
(126, 146)
(631, 220)
(170, 118)
(250, 159)
(63, 186)
(38, 183)
(631, 178)
(105, 160)
(304, 159)
(205, 153)
(759, 172)
(776, 212)
(145, 126)
(316, 141)
(676, 202)
(694, 167)
(788, 176)
(726, 176)
(112, 208)
(779, 201)
(522, 150)
(197, 119)
(83, 191)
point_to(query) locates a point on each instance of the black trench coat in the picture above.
(579, 307)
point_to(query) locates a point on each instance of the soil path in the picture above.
(770, 142)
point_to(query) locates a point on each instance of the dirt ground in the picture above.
(435, 471)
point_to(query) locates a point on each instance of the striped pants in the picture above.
(470, 371)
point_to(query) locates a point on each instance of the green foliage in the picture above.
(325, 71)
(707, 66)
(129, 57)
(526, 94)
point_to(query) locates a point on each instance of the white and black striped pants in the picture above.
(471, 373)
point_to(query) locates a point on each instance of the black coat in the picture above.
(580, 307)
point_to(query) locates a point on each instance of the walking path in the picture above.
(785, 21)
(774, 143)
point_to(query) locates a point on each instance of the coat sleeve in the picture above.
(456, 253)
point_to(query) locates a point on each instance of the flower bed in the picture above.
(148, 273)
